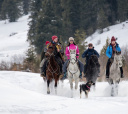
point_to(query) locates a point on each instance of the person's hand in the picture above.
(58, 50)
(112, 59)
(114, 45)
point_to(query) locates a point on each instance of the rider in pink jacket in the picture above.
(72, 46)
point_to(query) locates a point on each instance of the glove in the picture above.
(112, 59)
(77, 54)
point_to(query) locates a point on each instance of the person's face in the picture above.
(56, 40)
(90, 47)
(113, 42)
(71, 41)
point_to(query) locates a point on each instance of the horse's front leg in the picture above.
(48, 89)
(76, 83)
(71, 82)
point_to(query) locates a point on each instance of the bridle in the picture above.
(73, 64)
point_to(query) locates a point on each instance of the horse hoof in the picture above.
(48, 92)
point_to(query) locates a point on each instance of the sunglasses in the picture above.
(90, 46)
(71, 40)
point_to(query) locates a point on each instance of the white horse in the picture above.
(115, 74)
(73, 71)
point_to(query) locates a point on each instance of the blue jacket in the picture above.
(88, 54)
(109, 50)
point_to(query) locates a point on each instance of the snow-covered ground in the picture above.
(25, 93)
(13, 38)
(119, 31)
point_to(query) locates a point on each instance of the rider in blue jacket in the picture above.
(90, 51)
(112, 48)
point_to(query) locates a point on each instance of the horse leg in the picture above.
(71, 86)
(76, 83)
(71, 83)
(116, 86)
(112, 90)
(55, 86)
(48, 90)
(94, 86)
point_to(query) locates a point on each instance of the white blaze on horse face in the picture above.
(73, 56)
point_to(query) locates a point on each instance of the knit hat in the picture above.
(47, 42)
(71, 38)
(54, 37)
(113, 39)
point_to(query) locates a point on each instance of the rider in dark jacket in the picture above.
(90, 51)
(112, 48)
(59, 52)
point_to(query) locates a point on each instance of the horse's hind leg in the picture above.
(55, 86)
(48, 90)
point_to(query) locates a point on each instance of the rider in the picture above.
(59, 52)
(112, 48)
(90, 51)
(72, 46)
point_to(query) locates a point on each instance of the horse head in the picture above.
(93, 61)
(50, 51)
(118, 59)
(72, 56)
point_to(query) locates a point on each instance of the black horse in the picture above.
(92, 69)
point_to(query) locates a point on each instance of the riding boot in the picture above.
(85, 70)
(43, 69)
(80, 76)
(64, 76)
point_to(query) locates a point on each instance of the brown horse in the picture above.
(53, 69)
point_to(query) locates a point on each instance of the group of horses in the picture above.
(73, 72)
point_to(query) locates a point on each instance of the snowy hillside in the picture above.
(120, 31)
(13, 38)
(25, 93)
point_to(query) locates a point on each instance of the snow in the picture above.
(25, 93)
(119, 31)
(16, 44)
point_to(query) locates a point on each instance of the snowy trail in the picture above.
(25, 93)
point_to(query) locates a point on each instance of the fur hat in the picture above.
(113, 39)
(54, 37)
(71, 38)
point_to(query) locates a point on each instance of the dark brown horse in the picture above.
(53, 69)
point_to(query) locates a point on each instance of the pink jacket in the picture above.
(72, 46)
